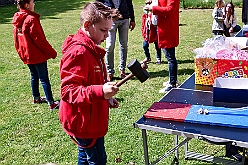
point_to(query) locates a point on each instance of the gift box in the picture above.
(205, 71)
(232, 68)
(230, 90)
(221, 57)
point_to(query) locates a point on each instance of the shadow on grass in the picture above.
(185, 61)
(165, 73)
(181, 24)
(46, 8)
(186, 71)
(178, 61)
(119, 99)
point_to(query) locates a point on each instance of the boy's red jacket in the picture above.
(29, 38)
(152, 35)
(83, 110)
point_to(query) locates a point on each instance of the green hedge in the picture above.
(204, 4)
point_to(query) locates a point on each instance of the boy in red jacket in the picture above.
(149, 33)
(33, 49)
(85, 93)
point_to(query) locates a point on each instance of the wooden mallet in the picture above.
(138, 70)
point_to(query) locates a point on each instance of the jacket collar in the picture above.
(36, 15)
(80, 38)
(20, 16)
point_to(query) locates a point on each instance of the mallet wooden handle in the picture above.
(118, 84)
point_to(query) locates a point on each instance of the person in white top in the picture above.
(230, 21)
(154, 17)
(218, 15)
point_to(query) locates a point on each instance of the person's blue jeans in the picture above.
(172, 63)
(95, 155)
(237, 28)
(40, 72)
(147, 52)
(122, 26)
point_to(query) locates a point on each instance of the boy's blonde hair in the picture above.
(95, 11)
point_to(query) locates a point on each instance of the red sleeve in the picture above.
(153, 36)
(165, 8)
(38, 36)
(143, 26)
(76, 88)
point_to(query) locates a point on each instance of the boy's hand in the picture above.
(113, 103)
(109, 90)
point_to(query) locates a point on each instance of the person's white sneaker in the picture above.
(167, 88)
(165, 84)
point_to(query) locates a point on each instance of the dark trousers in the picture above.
(237, 28)
(147, 52)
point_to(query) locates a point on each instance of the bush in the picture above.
(204, 4)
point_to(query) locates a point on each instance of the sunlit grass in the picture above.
(31, 134)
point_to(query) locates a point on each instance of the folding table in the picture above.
(189, 93)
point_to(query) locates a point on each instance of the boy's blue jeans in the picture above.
(94, 155)
(40, 72)
(146, 50)
(172, 62)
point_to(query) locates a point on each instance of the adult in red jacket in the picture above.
(33, 49)
(168, 35)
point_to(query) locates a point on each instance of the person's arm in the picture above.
(244, 11)
(132, 23)
(234, 23)
(167, 10)
(75, 86)
(143, 25)
(108, 3)
(235, 20)
(37, 34)
(131, 11)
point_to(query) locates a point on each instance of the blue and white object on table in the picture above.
(230, 90)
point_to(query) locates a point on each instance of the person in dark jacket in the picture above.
(245, 12)
(33, 49)
(85, 93)
(125, 8)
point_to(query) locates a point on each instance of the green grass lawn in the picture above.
(31, 134)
